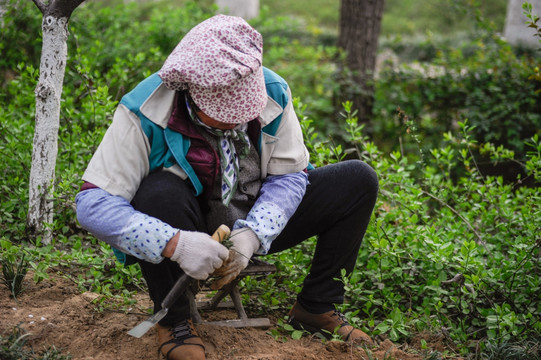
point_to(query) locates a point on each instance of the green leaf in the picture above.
(288, 327)
(5, 244)
(382, 327)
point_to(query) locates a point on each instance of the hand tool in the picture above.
(178, 289)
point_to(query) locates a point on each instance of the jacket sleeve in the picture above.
(112, 219)
(279, 198)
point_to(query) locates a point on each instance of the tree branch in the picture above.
(40, 5)
(64, 8)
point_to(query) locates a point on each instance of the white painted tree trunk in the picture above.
(3, 9)
(48, 94)
(516, 31)
(246, 9)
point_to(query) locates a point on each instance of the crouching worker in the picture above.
(212, 138)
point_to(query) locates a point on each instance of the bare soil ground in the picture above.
(55, 313)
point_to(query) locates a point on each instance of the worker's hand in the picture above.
(245, 244)
(198, 254)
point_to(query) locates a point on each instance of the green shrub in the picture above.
(20, 25)
(16, 137)
(489, 88)
(458, 256)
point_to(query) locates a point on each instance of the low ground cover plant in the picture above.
(458, 256)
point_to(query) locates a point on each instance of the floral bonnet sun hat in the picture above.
(219, 62)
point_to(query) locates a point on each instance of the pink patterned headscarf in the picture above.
(219, 62)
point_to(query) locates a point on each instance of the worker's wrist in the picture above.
(169, 249)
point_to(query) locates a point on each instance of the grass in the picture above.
(13, 275)
(315, 12)
(400, 17)
(14, 347)
(410, 17)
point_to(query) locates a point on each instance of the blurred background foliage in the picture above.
(440, 61)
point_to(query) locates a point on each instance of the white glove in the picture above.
(245, 244)
(198, 254)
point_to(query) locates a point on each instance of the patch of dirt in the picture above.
(56, 313)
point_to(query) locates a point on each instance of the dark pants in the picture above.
(336, 207)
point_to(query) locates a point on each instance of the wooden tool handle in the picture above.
(182, 283)
(221, 233)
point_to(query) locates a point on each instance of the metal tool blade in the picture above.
(178, 289)
(143, 327)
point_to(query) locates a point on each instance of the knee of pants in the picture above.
(365, 177)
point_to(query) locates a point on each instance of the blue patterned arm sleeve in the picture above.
(112, 219)
(279, 198)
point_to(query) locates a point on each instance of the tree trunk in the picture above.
(3, 10)
(360, 23)
(246, 9)
(48, 94)
(516, 31)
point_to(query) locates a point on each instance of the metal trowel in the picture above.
(178, 289)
